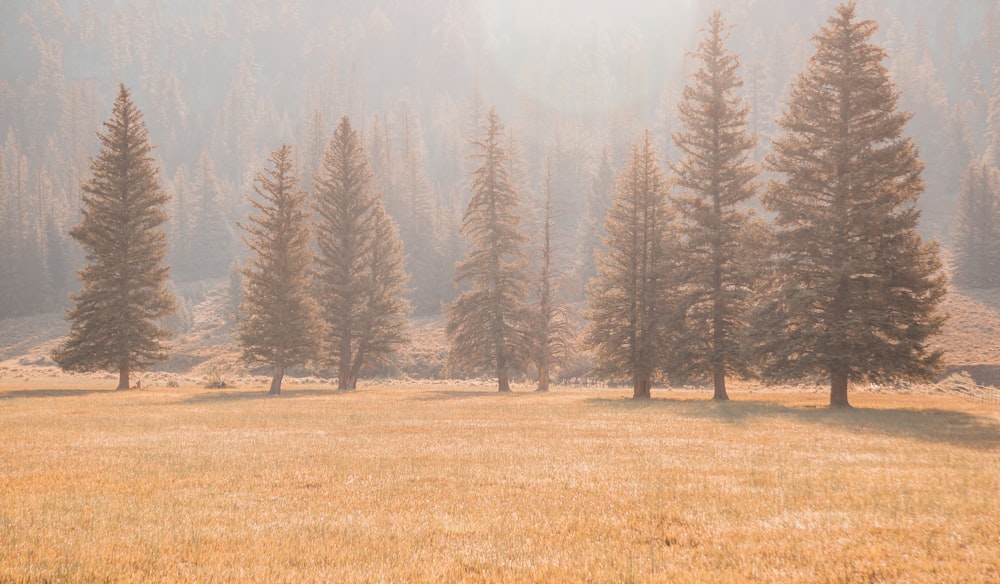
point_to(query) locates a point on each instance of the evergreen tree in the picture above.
(114, 321)
(280, 322)
(716, 177)
(859, 290)
(592, 225)
(383, 325)
(487, 324)
(977, 229)
(633, 315)
(361, 278)
(553, 332)
(210, 251)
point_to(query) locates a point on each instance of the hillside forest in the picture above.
(223, 85)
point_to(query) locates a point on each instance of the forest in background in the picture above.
(223, 83)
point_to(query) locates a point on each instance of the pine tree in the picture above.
(114, 321)
(633, 314)
(279, 322)
(487, 324)
(591, 230)
(361, 278)
(383, 326)
(553, 336)
(859, 290)
(977, 229)
(716, 177)
(210, 251)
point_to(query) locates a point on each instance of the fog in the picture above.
(223, 83)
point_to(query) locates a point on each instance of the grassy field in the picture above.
(457, 483)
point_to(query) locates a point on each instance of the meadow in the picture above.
(446, 482)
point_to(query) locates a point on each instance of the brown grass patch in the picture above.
(456, 483)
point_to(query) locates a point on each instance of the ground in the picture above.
(448, 481)
(444, 482)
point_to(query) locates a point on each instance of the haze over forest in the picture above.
(223, 83)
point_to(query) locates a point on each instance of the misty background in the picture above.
(223, 83)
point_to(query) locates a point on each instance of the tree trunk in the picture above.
(543, 378)
(504, 382)
(123, 373)
(344, 369)
(641, 387)
(279, 374)
(838, 387)
(719, 379)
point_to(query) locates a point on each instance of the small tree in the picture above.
(553, 335)
(717, 177)
(488, 324)
(977, 229)
(114, 322)
(858, 291)
(633, 313)
(279, 322)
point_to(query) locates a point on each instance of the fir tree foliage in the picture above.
(384, 326)
(859, 290)
(487, 324)
(633, 311)
(977, 229)
(114, 322)
(360, 277)
(716, 179)
(279, 323)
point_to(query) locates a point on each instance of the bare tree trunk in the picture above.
(279, 374)
(838, 387)
(123, 373)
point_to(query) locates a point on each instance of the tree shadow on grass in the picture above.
(956, 428)
(457, 394)
(42, 393)
(242, 395)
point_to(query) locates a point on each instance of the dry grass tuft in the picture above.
(456, 483)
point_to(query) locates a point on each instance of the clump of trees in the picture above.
(359, 262)
(688, 282)
(853, 292)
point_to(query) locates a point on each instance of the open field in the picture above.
(457, 483)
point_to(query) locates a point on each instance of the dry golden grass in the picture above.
(457, 483)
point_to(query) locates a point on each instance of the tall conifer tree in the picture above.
(344, 199)
(360, 262)
(716, 177)
(488, 324)
(859, 290)
(280, 322)
(114, 323)
(633, 313)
